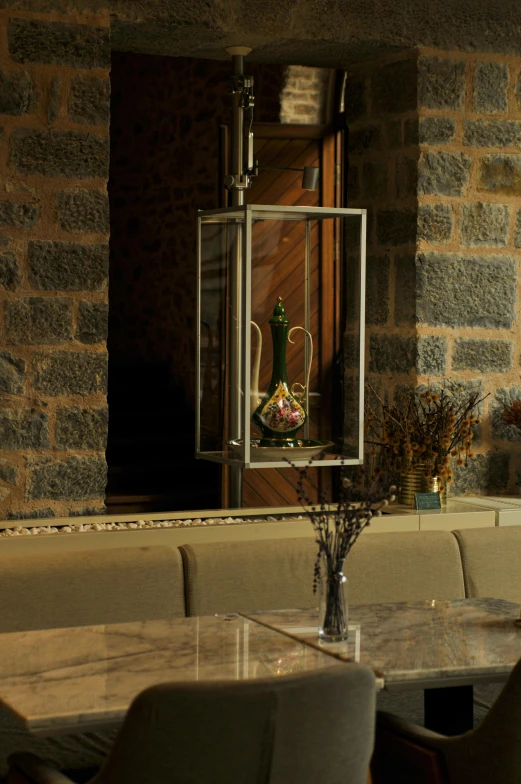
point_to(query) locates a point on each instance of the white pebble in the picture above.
(66, 529)
(17, 528)
(34, 531)
(197, 521)
(132, 525)
(99, 526)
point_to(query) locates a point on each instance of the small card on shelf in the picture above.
(427, 501)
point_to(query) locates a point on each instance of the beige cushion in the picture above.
(90, 587)
(227, 577)
(491, 559)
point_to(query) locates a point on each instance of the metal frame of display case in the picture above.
(241, 346)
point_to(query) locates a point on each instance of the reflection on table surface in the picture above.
(72, 679)
(421, 644)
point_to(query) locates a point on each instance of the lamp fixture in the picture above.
(241, 89)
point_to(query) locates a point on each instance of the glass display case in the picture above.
(280, 340)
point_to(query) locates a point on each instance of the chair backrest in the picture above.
(304, 728)
(491, 559)
(90, 587)
(225, 577)
(491, 752)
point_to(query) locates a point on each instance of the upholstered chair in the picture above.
(406, 753)
(301, 729)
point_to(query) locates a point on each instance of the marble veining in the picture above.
(421, 644)
(73, 679)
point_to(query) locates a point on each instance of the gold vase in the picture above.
(416, 481)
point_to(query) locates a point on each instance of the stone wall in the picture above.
(304, 98)
(54, 152)
(382, 163)
(166, 114)
(455, 148)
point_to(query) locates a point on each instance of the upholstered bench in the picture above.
(491, 561)
(229, 577)
(90, 587)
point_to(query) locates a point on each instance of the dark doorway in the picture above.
(165, 119)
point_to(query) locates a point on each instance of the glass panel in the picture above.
(318, 297)
(218, 241)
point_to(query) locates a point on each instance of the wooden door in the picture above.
(296, 147)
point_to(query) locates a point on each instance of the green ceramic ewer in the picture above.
(280, 413)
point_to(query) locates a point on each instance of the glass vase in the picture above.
(332, 607)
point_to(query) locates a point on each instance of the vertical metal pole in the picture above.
(237, 163)
(307, 316)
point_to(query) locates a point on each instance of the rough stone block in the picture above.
(72, 479)
(517, 230)
(455, 290)
(436, 130)
(500, 174)
(493, 133)
(93, 322)
(500, 430)
(58, 43)
(37, 320)
(351, 351)
(82, 428)
(435, 222)
(404, 291)
(486, 474)
(443, 173)
(59, 153)
(431, 355)
(67, 266)
(44, 513)
(485, 224)
(441, 83)
(24, 429)
(353, 183)
(53, 106)
(83, 210)
(393, 134)
(12, 373)
(392, 354)
(396, 227)
(10, 273)
(355, 98)
(16, 93)
(69, 373)
(23, 216)
(374, 180)
(490, 87)
(89, 100)
(377, 290)
(411, 132)
(364, 139)
(88, 511)
(8, 473)
(394, 88)
(406, 177)
(484, 355)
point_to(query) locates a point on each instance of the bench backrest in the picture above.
(491, 559)
(90, 587)
(226, 577)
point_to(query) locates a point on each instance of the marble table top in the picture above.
(415, 645)
(77, 679)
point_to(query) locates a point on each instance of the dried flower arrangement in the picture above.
(512, 414)
(425, 432)
(337, 525)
